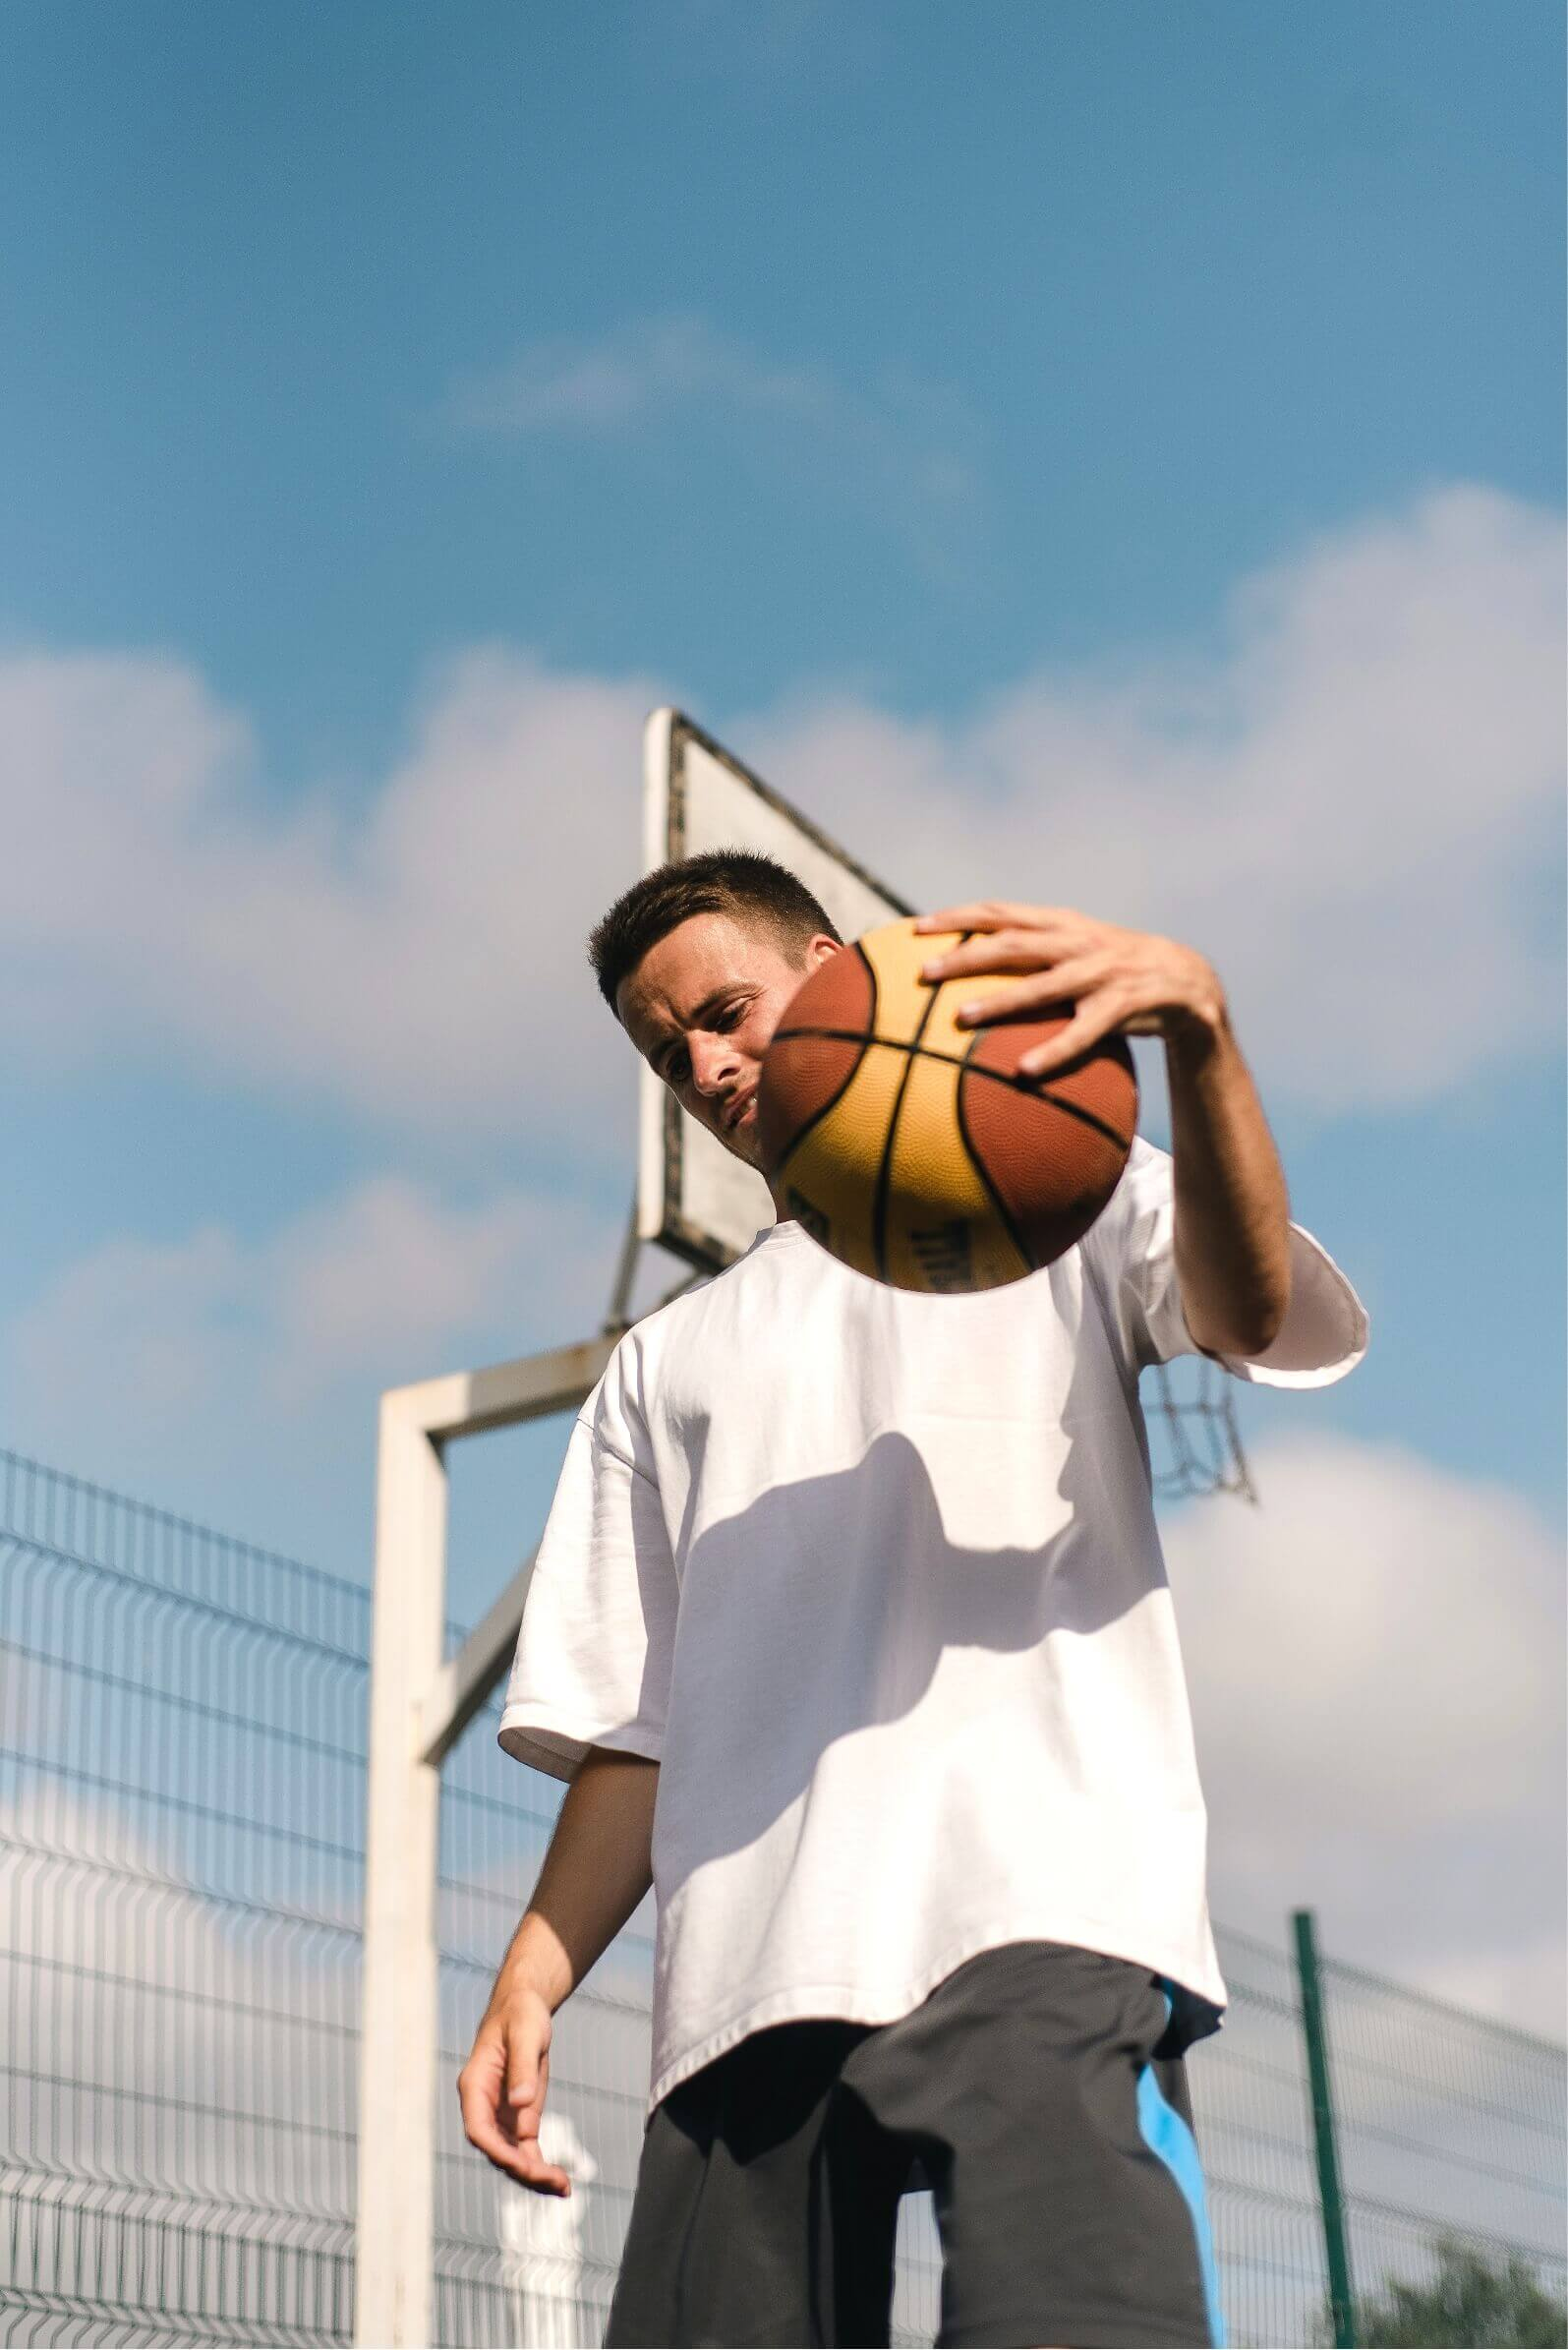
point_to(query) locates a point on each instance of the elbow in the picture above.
(1258, 1336)
(1277, 1303)
(1249, 1329)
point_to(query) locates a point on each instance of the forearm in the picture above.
(597, 1870)
(1231, 1210)
(1233, 1248)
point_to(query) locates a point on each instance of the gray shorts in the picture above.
(1040, 2091)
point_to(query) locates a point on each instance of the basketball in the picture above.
(910, 1147)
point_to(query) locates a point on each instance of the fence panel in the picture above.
(1451, 2129)
(1249, 2104)
(182, 1798)
(181, 1838)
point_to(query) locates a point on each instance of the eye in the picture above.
(729, 1016)
(676, 1069)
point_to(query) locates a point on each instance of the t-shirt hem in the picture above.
(557, 1742)
(850, 2003)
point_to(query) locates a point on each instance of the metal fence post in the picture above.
(1341, 2301)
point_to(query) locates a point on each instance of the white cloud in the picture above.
(237, 1378)
(627, 375)
(900, 451)
(422, 964)
(1353, 807)
(388, 1275)
(1375, 1661)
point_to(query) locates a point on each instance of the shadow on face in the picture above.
(702, 1006)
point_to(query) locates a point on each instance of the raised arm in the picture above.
(1231, 1235)
(595, 1873)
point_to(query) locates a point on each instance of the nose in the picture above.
(715, 1062)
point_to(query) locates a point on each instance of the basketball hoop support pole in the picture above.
(420, 1703)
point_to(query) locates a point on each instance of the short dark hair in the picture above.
(738, 882)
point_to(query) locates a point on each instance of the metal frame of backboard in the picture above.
(420, 1701)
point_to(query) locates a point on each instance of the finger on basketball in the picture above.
(1009, 950)
(1064, 983)
(1081, 1034)
(992, 913)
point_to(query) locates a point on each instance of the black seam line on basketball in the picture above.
(844, 1035)
(998, 1077)
(999, 1207)
(879, 1207)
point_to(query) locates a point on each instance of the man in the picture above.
(850, 1630)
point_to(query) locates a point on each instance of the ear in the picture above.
(819, 950)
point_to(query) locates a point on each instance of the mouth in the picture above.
(738, 1111)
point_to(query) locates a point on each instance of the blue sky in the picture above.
(1096, 451)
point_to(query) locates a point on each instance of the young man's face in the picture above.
(701, 1008)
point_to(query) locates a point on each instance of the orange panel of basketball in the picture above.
(911, 1148)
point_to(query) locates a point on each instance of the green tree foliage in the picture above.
(1472, 2301)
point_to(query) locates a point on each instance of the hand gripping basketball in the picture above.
(1113, 980)
(917, 1148)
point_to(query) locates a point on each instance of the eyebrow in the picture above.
(714, 996)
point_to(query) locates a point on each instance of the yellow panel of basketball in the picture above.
(828, 1179)
(958, 1243)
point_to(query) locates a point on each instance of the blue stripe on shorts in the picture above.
(1168, 2136)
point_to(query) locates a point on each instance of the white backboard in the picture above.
(692, 1195)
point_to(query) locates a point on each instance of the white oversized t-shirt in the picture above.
(875, 1577)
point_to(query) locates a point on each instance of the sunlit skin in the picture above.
(702, 1007)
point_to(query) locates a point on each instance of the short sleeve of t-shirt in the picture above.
(1130, 1249)
(593, 1659)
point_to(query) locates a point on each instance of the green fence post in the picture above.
(1315, 2033)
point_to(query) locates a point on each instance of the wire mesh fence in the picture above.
(182, 1792)
(1451, 2130)
(181, 1829)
